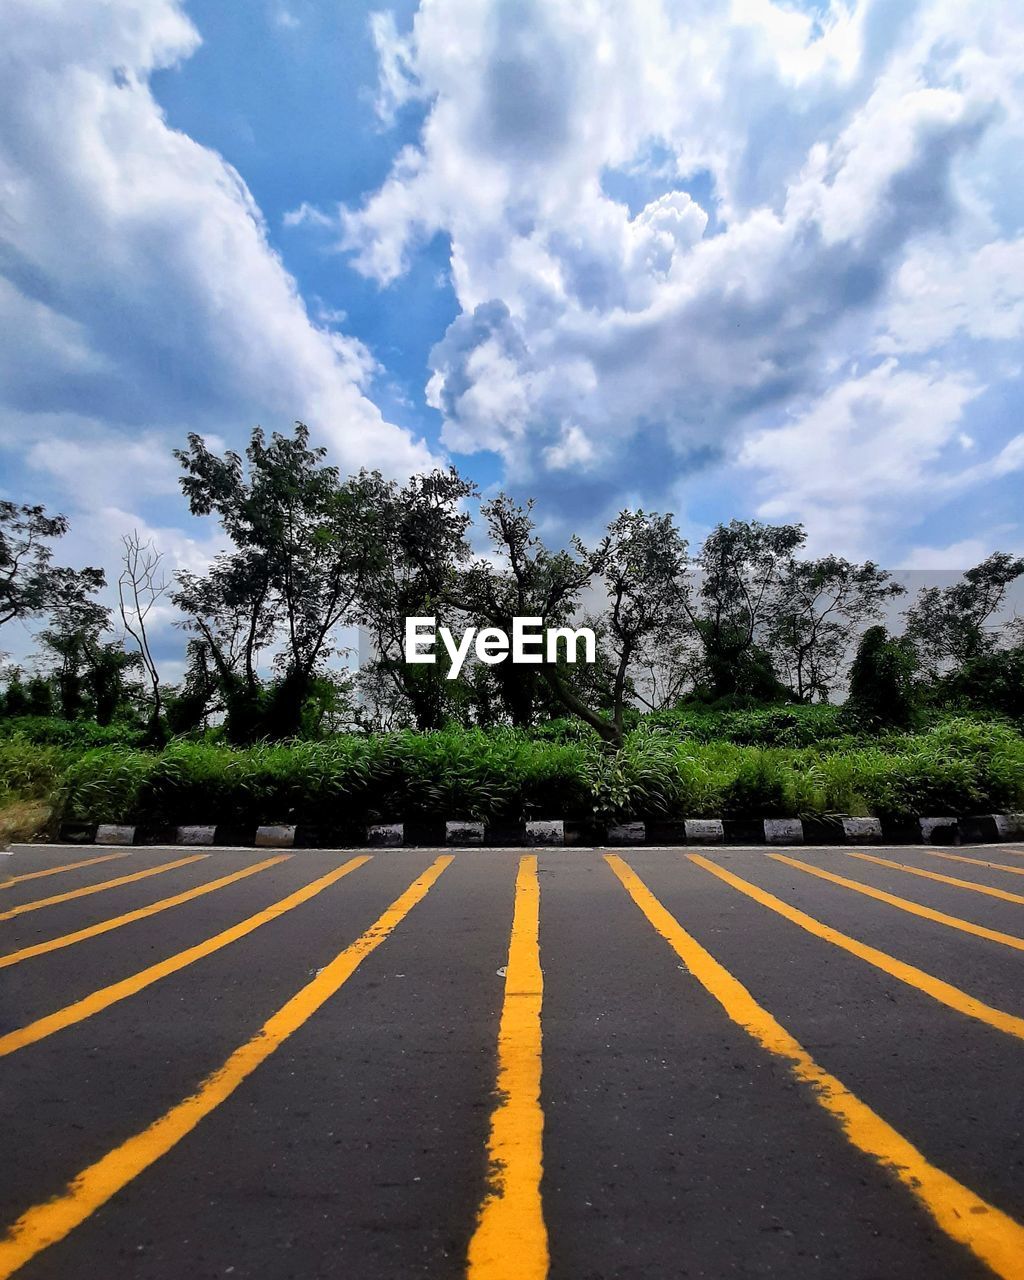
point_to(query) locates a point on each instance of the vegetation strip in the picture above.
(944, 992)
(990, 1234)
(106, 996)
(986, 889)
(141, 913)
(89, 889)
(68, 866)
(904, 904)
(510, 1241)
(46, 1223)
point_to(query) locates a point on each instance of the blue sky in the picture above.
(744, 259)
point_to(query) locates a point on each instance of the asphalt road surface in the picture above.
(508, 1064)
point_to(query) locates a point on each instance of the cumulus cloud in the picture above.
(858, 453)
(797, 193)
(139, 294)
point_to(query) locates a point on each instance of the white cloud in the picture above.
(956, 555)
(573, 450)
(848, 465)
(942, 290)
(137, 282)
(807, 189)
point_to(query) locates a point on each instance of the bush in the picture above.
(789, 726)
(957, 766)
(882, 680)
(53, 731)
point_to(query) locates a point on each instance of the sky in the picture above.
(748, 259)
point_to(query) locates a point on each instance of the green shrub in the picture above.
(28, 770)
(957, 766)
(788, 726)
(53, 731)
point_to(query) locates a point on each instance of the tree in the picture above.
(644, 568)
(881, 679)
(305, 543)
(15, 699)
(89, 671)
(233, 617)
(422, 543)
(817, 607)
(951, 626)
(106, 663)
(190, 703)
(31, 586)
(641, 565)
(740, 568)
(140, 588)
(39, 693)
(522, 578)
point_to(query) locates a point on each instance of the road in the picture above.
(511, 1064)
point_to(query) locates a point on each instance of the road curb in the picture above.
(838, 829)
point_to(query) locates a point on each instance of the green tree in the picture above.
(422, 544)
(882, 679)
(643, 566)
(31, 586)
(522, 578)
(15, 699)
(640, 564)
(951, 626)
(817, 607)
(740, 569)
(39, 692)
(305, 542)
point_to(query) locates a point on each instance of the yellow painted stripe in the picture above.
(106, 996)
(991, 1235)
(944, 992)
(976, 862)
(46, 1223)
(986, 889)
(904, 904)
(68, 866)
(142, 913)
(511, 1241)
(89, 889)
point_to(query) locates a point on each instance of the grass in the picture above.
(957, 766)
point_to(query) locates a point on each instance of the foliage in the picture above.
(31, 585)
(74, 734)
(881, 680)
(740, 566)
(817, 606)
(992, 682)
(951, 626)
(957, 766)
(306, 542)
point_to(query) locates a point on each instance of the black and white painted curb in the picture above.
(433, 833)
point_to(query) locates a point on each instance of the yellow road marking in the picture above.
(68, 866)
(991, 1235)
(142, 913)
(976, 862)
(106, 996)
(904, 904)
(46, 1223)
(511, 1241)
(1004, 894)
(88, 889)
(944, 992)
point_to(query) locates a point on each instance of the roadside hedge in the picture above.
(957, 767)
